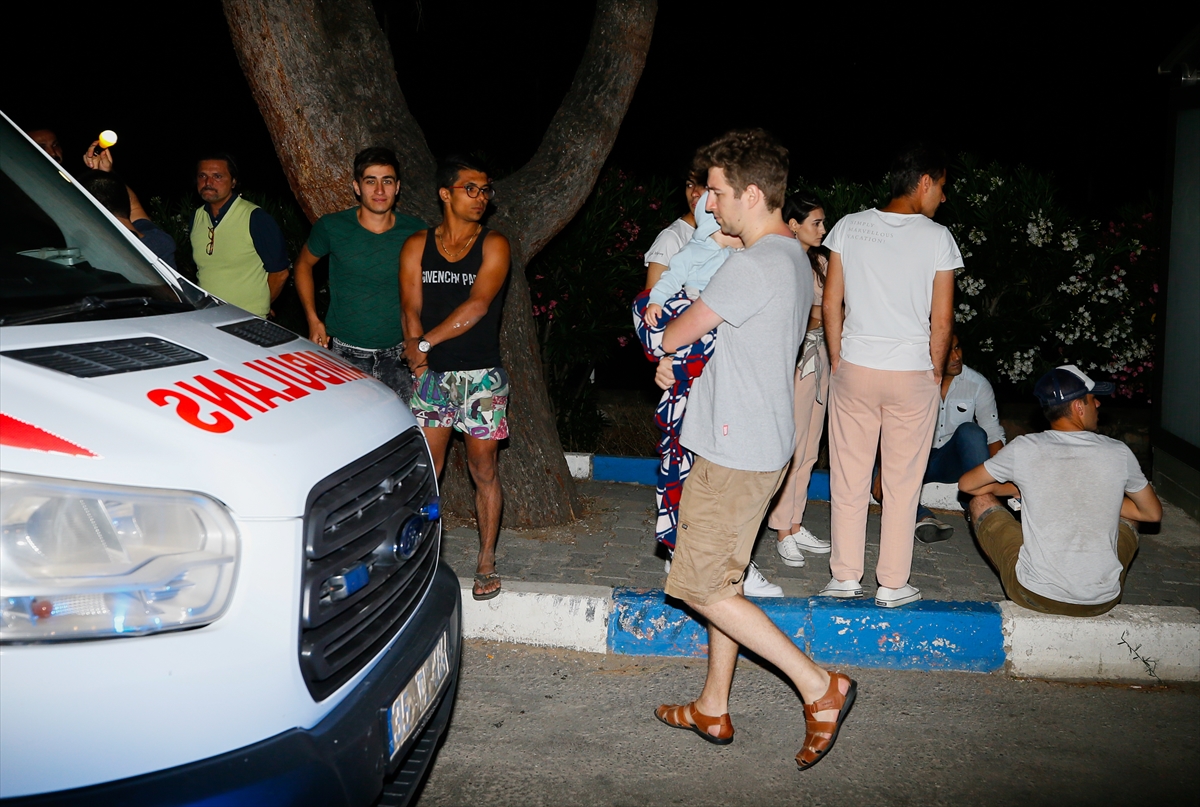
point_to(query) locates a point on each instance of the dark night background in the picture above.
(1075, 93)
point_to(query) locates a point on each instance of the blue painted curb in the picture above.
(644, 471)
(928, 635)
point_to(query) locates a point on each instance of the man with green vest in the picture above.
(363, 244)
(238, 248)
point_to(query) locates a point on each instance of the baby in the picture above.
(693, 266)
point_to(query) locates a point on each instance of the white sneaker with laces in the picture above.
(755, 585)
(789, 552)
(842, 589)
(809, 542)
(895, 597)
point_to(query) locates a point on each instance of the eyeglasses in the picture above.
(212, 237)
(473, 191)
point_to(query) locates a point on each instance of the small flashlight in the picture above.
(107, 138)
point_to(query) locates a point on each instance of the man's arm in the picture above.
(978, 481)
(271, 248)
(306, 290)
(987, 415)
(1142, 505)
(831, 309)
(941, 320)
(689, 326)
(411, 299)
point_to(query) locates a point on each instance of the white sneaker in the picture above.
(755, 585)
(789, 552)
(809, 542)
(895, 597)
(843, 589)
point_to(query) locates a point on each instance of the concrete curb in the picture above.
(1132, 642)
(644, 471)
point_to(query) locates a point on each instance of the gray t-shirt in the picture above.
(739, 411)
(1072, 485)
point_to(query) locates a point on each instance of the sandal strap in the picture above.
(832, 699)
(688, 716)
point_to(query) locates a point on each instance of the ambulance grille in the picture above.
(259, 332)
(353, 524)
(93, 359)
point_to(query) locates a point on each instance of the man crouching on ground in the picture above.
(740, 426)
(1080, 492)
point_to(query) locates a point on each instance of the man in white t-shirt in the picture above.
(1079, 491)
(893, 268)
(740, 426)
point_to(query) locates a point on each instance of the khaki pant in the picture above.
(810, 424)
(720, 512)
(1001, 539)
(896, 409)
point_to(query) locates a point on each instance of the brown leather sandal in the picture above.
(821, 735)
(692, 719)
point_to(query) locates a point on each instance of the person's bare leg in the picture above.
(482, 461)
(722, 659)
(438, 439)
(981, 504)
(741, 622)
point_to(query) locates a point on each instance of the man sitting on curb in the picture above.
(968, 432)
(1080, 491)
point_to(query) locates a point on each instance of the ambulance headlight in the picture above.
(80, 560)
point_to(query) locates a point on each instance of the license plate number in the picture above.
(409, 708)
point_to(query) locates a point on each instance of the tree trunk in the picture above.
(322, 75)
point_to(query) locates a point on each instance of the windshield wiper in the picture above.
(94, 304)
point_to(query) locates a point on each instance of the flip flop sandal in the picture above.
(677, 718)
(821, 735)
(482, 580)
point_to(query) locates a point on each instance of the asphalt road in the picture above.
(552, 727)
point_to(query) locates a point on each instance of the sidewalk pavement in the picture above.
(605, 564)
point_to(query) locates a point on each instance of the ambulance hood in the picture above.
(225, 416)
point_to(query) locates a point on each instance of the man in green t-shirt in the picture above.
(363, 244)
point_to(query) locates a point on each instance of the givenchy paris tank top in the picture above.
(444, 287)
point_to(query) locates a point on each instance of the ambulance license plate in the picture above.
(408, 709)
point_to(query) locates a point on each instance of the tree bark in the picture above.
(322, 76)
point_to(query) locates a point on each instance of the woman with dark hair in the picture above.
(805, 217)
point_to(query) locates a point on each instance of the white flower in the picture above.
(976, 236)
(970, 286)
(1070, 241)
(1039, 230)
(986, 345)
(1020, 367)
(964, 313)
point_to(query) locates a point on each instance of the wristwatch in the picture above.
(423, 344)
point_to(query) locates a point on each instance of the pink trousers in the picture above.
(810, 424)
(897, 410)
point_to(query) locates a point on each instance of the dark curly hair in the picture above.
(748, 157)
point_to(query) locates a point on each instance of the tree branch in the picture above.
(537, 201)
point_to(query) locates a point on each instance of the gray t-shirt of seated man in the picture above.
(1072, 485)
(739, 411)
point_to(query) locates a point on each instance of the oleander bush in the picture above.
(1040, 286)
(582, 286)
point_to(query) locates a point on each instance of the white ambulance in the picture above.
(219, 570)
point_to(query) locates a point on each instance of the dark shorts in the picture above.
(1001, 539)
(384, 364)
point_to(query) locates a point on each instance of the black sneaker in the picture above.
(930, 531)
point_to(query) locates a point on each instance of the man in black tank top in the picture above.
(452, 284)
